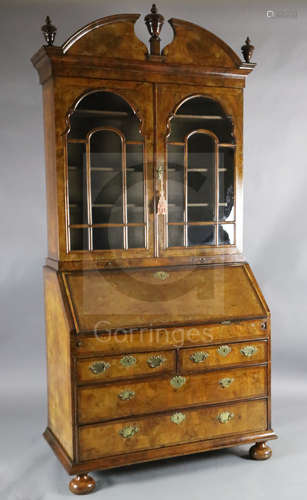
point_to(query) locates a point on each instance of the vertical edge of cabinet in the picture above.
(51, 172)
(60, 395)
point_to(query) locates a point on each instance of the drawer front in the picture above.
(204, 358)
(167, 338)
(181, 426)
(126, 366)
(159, 394)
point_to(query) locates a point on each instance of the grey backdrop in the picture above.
(275, 244)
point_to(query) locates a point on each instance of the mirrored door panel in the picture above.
(200, 157)
(106, 175)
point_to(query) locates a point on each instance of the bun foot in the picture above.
(260, 451)
(82, 484)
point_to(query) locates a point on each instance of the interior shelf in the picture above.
(98, 112)
(200, 117)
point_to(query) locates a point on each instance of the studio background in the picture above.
(275, 245)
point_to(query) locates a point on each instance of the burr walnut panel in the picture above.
(106, 300)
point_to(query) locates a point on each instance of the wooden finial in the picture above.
(154, 23)
(49, 31)
(247, 50)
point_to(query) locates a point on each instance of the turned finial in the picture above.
(49, 31)
(247, 50)
(154, 23)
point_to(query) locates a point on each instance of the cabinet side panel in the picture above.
(50, 161)
(60, 419)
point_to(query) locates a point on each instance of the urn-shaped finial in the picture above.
(49, 31)
(154, 22)
(247, 50)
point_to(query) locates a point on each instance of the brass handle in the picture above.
(129, 431)
(249, 350)
(178, 418)
(161, 275)
(99, 367)
(224, 350)
(155, 361)
(225, 416)
(128, 361)
(126, 395)
(226, 382)
(177, 381)
(199, 356)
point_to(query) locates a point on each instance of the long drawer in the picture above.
(167, 338)
(126, 366)
(208, 357)
(182, 426)
(116, 400)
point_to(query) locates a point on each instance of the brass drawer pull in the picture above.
(126, 395)
(161, 275)
(99, 367)
(199, 356)
(224, 350)
(177, 381)
(155, 361)
(129, 431)
(226, 382)
(178, 418)
(249, 351)
(128, 361)
(225, 416)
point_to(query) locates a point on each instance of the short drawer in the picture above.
(126, 366)
(181, 426)
(204, 358)
(143, 397)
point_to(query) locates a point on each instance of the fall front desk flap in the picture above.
(104, 300)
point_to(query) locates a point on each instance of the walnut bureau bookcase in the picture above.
(158, 336)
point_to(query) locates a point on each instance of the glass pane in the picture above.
(105, 238)
(175, 172)
(226, 184)
(226, 234)
(104, 109)
(176, 236)
(77, 183)
(201, 113)
(135, 183)
(201, 235)
(201, 178)
(78, 239)
(136, 237)
(106, 177)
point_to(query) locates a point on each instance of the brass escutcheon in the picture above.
(224, 350)
(199, 356)
(155, 361)
(225, 416)
(177, 381)
(128, 361)
(178, 417)
(99, 367)
(249, 350)
(161, 275)
(126, 395)
(129, 431)
(225, 382)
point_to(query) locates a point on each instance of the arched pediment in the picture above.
(111, 36)
(192, 44)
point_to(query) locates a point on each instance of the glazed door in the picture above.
(109, 173)
(199, 143)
